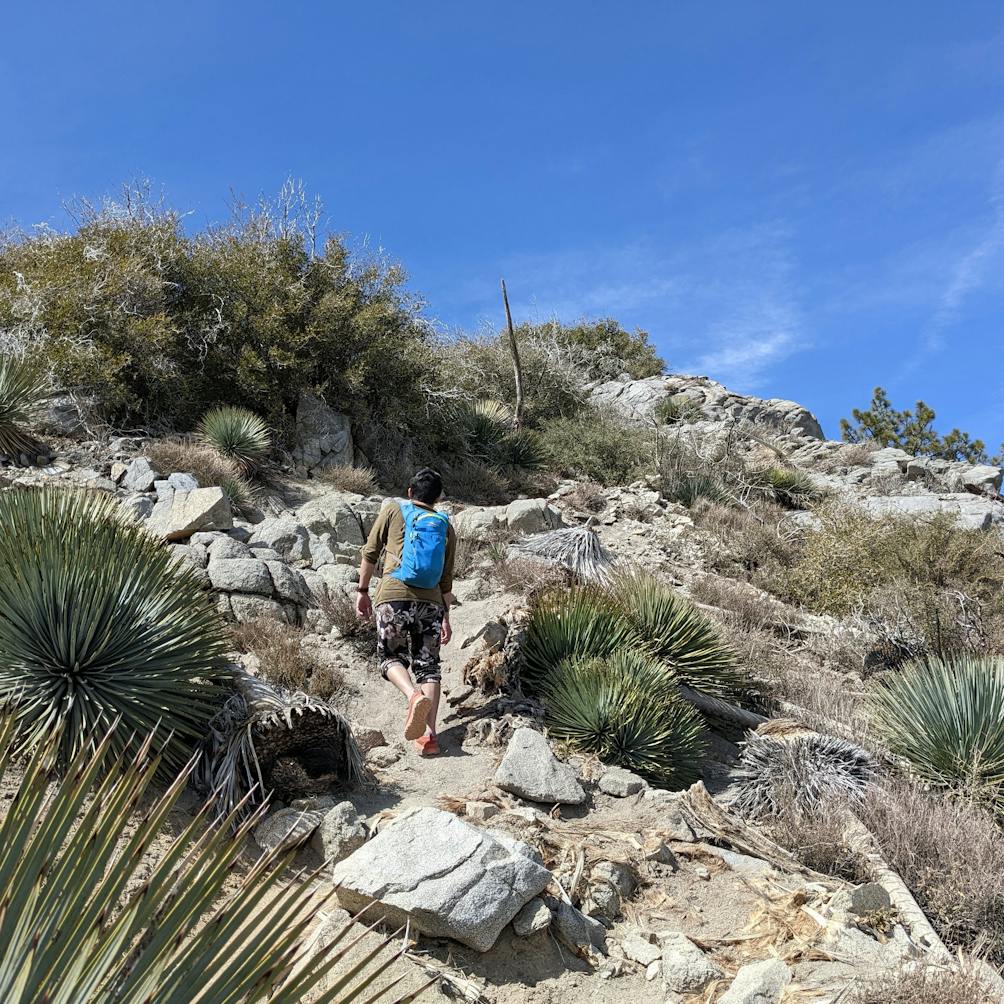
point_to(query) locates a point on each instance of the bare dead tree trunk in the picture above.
(516, 364)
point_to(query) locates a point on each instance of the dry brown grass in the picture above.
(951, 855)
(529, 576)
(587, 496)
(743, 604)
(277, 646)
(921, 986)
(753, 543)
(848, 455)
(340, 609)
(346, 478)
(209, 468)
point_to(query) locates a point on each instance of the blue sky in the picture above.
(801, 200)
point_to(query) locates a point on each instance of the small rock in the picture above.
(868, 898)
(384, 756)
(620, 783)
(653, 970)
(459, 695)
(530, 770)
(702, 873)
(481, 810)
(448, 878)
(285, 829)
(685, 968)
(604, 901)
(618, 875)
(139, 476)
(179, 515)
(246, 608)
(288, 582)
(183, 482)
(369, 739)
(222, 547)
(758, 983)
(655, 849)
(640, 950)
(241, 575)
(534, 917)
(339, 833)
(575, 929)
(118, 471)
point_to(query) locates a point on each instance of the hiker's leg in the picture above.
(393, 638)
(425, 657)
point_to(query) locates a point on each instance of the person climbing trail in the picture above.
(413, 599)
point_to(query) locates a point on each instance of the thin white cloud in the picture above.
(726, 306)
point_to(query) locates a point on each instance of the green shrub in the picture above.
(946, 582)
(623, 709)
(237, 434)
(487, 427)
(598, 446)
(791, 488)
(22, 388)
(668, 626)
(155, 326)
(96, 623)
(946, 717)
(676, 409)
(102, 914)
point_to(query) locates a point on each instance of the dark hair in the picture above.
(426, 486)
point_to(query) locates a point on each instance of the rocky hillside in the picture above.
(530, 869)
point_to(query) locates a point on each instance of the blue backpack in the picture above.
(423, 555)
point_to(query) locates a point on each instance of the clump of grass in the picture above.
(340, 609)
(925, 985)
(676, 409)
(814, 836)
(791, 488)
(950, 853)
(282, 661)
(346, 478)
(207, 466)
(587, 496)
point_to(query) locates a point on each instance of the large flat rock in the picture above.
(449, 879)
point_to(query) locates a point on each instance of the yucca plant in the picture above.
(790, 487)
(668, 626)
(196, 928)
(97, 623)
(570, 625)
(22, 389)
(623, 708)
(238, 434)
(946, 717)
(492, 438)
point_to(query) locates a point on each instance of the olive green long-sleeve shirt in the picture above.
(387, 536)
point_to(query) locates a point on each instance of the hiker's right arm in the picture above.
(375, 543)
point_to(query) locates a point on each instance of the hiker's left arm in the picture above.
(446, 585)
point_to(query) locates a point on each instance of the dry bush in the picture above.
(754, 542)
(206, 465)
(476, 483)
(346, 478)
(920, 986)
(587, 496)
(529, 576)
(930, 579)
(340, 609)
(951, 855)
(745, 606)
(848, 455)
(816, 838)
(277, 647)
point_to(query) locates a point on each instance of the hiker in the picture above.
(413, 599)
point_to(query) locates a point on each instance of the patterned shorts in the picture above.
(408, 632)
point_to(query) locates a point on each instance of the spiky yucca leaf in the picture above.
(577, 548)
(569, 625)
(667, 625)
(238, 434)
(804, 771)
(96, 622)
(22, 388)
(491, 437)
(70, 932)
(520, 448)
(624, 709)
(790, 487)
(946, 717)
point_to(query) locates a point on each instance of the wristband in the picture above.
(362, 589)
